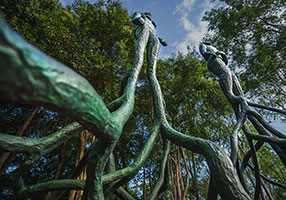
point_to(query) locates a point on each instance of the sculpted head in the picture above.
(207, 47)
(137, 18)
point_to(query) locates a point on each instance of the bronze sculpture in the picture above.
(217, 64)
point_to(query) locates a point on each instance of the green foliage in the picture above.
(195, 103)
(272, 167)
(97, 41)
(254, 35)
(94, 39)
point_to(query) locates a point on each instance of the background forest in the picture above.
(97, 41)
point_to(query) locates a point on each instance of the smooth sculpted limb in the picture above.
(145, 28)
(226, 182)
(30, 75)
(217, 64)
(146, 31)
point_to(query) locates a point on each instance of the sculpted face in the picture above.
(210, 48)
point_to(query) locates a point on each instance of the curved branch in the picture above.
(99, 155)
(132, 169)
(244, 163)
(271, 140)
(126, 101)
(55, 185)
(65, 184)
(120, 192)
(124, 175)
(234, 135)
(17, 144)
(266, 108)
(41, 147)
(167, 180)
(160, 182)
(265, 124)
(30, 75)
(262, 131)
(222, 170)
(123, 194)
(268, 179)
(140, 160)
(256, 168)
(96, 163)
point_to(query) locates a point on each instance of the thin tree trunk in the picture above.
(144, 182)
(178, 172)
(182, 187)
(77, 194)
(59, 168)
(187, 175)
(20, 132)
(176, 178)
(83, 141)
(195, 176)
(266, 190)
(172, 178)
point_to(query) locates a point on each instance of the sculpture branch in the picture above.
(163, 167)
(268, 179)
(42, 146)
(227, 182)
(36, 148)
(65, 184)
(267, 108)
(138, 163)
(232, 90)
(36, 78)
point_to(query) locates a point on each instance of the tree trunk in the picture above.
(20, 132)
(195, 176)
(187, 175)
(174, 192)
(182, 187)
(144, 183)
(59, 168)
(77, 194)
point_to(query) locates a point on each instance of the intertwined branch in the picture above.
(217, 63)
(29, 75)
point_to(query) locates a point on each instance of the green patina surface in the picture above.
(34, 77)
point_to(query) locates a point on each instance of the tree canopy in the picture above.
(52, 130)
(253, 33)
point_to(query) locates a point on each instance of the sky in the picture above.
(178, 21)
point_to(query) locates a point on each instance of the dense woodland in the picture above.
(96, 40)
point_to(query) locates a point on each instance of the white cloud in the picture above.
(188, 26)
(66, 2)
(194, 27)
(185, 5)
(154, 3)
